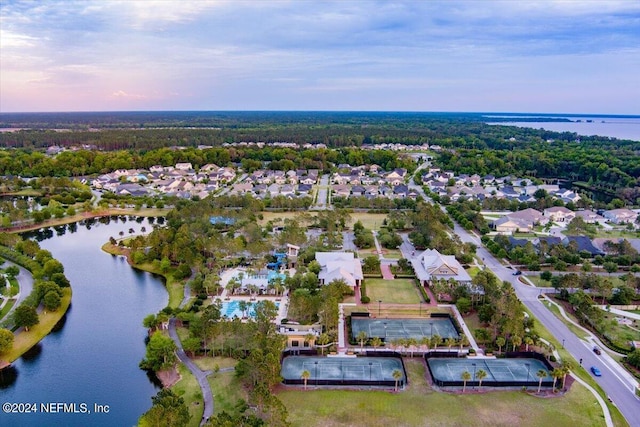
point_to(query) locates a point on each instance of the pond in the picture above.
(92, 356)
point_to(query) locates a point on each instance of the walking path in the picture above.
(201, 376)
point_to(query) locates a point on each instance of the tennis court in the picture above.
(500, 372)
(342, 370)
(390, 329)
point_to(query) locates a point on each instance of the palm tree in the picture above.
(450, 342)
(243, 306)
(361, 337)
(516, 341)
(376, 342)
(527, 342)
(397, 375)
(466, 376)
(480, 375)
(323, 340)
(541, 374)
(556, 373)
(425, 342)
(464, 341)
(412, 343)
(500, 342)
(435, 341)
(308, 338)
(566, 368)
(305, 376)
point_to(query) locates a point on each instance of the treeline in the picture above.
(608, 166)
(90, 162)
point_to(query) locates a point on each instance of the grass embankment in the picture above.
(420, 405)
(189, 389)
(174, 287)
(25, 340)
(398, 291)
(54, 222)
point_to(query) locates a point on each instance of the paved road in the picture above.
(321, 199)
(201, 376)
(25, 281)
(611, 381)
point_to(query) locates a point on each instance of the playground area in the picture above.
(500, 372)
(371, 371)
(390, 329)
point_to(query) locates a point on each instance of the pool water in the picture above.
(231, 309)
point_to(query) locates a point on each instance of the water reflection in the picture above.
(8, 377)
(32, 354)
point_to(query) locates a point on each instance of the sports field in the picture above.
(501, 372)
(338, 370)
(390, 329)
(398, 291)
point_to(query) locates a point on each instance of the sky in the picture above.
(550, 56)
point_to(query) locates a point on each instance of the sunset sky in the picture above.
(511, 56)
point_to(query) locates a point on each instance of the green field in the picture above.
(189, 390)
(387, 253)
(419, 405)
(399, 291)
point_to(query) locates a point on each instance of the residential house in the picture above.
(559, 214)
(341, 190)
(582, 244)
(590, 217)
(621, 216)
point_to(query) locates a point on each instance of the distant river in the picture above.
(93, 355)
(616, 127)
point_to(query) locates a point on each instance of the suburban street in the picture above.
(612, 382)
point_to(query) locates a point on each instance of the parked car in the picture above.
(517, 273)
(597, 351)
(596, 371)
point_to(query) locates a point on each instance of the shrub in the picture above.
(365, 299)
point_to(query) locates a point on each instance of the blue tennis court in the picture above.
(500, 372)
(342, 370)
(390, 329)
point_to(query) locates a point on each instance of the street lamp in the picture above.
(379, 302)
(431, 328)
(420, 308)
(385, 332)
(562, 342)
(528, 369)
(370, 363)
(474, 371)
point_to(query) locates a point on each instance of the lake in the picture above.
(615, 127)
(92, 357)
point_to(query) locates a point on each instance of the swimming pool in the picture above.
(231, 309)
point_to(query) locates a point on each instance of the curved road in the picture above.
(201, 376)
(613, 382)
(25, 281)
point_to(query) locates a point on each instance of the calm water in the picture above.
(94, 356)
(616, 127)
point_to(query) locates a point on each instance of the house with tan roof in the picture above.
(621, 216)
(559, 214)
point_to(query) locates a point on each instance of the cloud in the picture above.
(124, 95)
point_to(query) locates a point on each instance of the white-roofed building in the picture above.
(432, 265)
(339, 266)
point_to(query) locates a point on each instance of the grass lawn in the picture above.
(189, 389)
(227, 391)
(6, 307)
(25, 340)
(573, 328)
(387, 253)
(419, 405)
(371, 221)
(473, 271)
(209, 363)
(399, 291)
